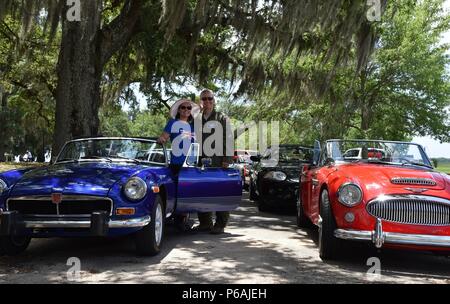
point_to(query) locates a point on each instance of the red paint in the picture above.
(374, 180)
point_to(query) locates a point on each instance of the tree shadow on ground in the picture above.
(256, 248)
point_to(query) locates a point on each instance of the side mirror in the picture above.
(329, 161)
(255, 158)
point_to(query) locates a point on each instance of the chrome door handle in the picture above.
(233, 174)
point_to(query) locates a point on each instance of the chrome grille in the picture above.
(411, 209)
(73, 205)
(413, 181)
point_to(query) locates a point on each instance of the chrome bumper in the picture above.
(379, 238)
(129, 223)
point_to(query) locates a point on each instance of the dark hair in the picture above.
(190, 118)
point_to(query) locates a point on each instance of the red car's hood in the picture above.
(375, 175)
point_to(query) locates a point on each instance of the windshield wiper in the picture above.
(409, 162)
(375, 161)
(67, 160)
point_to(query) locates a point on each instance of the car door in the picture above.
(206, 189)
(310, 183)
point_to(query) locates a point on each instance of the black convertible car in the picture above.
(274, 176)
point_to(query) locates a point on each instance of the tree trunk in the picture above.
(3, 112)
(79, 75)
(85, 49)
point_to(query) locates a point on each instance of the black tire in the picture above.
(252, 192)
(330, 247)
(302, 220)
(149, 239)
(13, 245)
(181, 222)
(262, 205)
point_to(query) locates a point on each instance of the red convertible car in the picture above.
(382, 192)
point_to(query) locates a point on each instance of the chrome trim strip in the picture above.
(419, 181)
(129, 223)
(64, 197)
(395, 238)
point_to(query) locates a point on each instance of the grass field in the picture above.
(444, 168)
(11, 166)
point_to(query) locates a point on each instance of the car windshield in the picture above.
(289, 154)
(113, 149)
(386, 152)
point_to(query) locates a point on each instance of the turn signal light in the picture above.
(155, 189)
(125, 211)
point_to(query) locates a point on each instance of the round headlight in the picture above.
(3, 186)
(350, 195)
(276, 175)
(135, 189)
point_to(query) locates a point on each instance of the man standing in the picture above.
(212, 122)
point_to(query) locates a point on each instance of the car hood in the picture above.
(374, 176)
(73, 178)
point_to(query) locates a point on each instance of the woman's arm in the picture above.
(164, 137)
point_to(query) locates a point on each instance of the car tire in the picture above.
(330, 247)
(262, 205)
(13, 245)
(149, 239)
(302, 220)
(252, 192)
(181, 222)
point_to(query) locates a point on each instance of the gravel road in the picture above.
(256, 248)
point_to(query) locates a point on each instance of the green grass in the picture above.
(12, 166)
(444, 168)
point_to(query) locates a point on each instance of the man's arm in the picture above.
(228, 141)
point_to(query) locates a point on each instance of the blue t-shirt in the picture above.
(181, 135)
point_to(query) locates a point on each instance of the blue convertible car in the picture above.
(109, 187)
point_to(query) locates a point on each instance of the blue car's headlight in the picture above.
(3, 186)
(135, 189)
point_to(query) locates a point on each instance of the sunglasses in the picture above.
(207, 98)
(184, 107)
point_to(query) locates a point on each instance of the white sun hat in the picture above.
(174, 108)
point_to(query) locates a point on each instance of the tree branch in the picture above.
(119, 32)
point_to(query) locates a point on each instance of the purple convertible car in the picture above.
(109, 187)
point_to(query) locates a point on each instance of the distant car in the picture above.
(388, 195)
(274, 180)
(109, 187)
(357, 153)
(242, 162)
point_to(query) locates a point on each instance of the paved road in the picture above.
(257, 248)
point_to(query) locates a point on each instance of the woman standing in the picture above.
(180, 130)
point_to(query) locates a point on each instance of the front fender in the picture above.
(11, 178)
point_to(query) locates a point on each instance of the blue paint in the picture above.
(208, 190)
